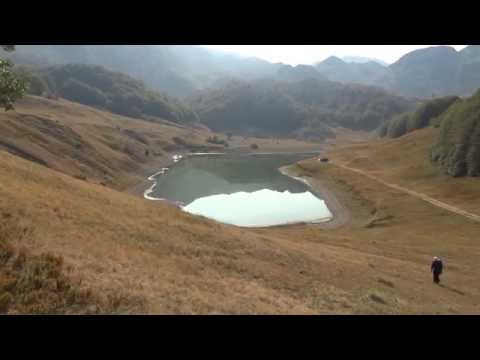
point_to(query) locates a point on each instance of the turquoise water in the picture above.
(244, 190)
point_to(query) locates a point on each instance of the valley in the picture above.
(397, 175)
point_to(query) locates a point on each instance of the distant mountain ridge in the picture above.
(423, 73)
(362, 60)
(179, 70)
(107, 90)
(182, 70)
(336, 69)
(426, 72)
(298, 73)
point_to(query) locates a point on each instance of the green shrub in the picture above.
(425, 115)
(215, 140)
(398, 125)
(457, 150)
(35, 82)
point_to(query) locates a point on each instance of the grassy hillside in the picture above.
(153, 258)
(174, 262)
(105, 89)
(91, 144)
(406, 161)
(306, 109)
(395, 225)
(42, 283)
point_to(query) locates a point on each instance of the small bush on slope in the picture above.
(398, 125)
(38, 284)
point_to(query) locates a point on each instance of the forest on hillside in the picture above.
(307, 108)
(421, 117)
(98, 87)
(457, 147)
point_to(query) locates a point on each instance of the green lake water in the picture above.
(243, 190)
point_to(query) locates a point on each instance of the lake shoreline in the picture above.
(340, 214)
(145, 184)
(166, 161)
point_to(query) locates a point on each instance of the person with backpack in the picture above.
(437, 269)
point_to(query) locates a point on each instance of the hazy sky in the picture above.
(309, 54)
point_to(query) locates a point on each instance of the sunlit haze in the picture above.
(309, 54)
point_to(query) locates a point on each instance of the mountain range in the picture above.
(194, 85)
(183, 70)
(424, 73)
(178, 70)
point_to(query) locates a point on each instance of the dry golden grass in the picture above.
(405, 161)
(177, 263)
(272, 144)
(88, 143)
(40, 284)
(401, 231)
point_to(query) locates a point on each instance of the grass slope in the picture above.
(173, 262)
(91, 144)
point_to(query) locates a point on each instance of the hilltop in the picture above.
(336, 69)
(425, 73)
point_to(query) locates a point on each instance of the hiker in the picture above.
(436, 268)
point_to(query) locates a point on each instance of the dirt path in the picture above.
(421, 196)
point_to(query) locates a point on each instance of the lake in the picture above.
(243, 190)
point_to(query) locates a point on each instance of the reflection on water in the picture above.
(261, 208)
(259, 194)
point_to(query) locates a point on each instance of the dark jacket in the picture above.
(437, 266)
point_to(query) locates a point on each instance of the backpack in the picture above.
(438, 266)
